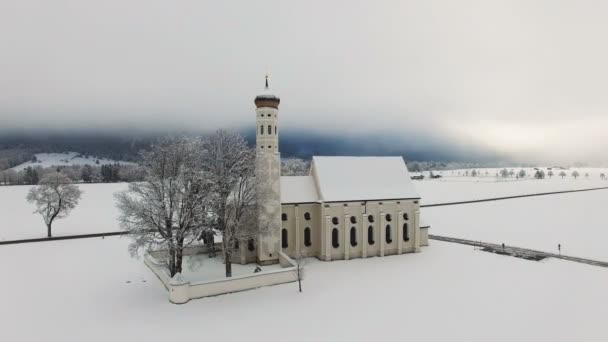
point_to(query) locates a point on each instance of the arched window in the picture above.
(353, 219)
(335, 220)
(307, 237)
(353, 236)
(307, 216)
(261, 129)
(269, 129)
(335, 238)
(370, 235)
(388, 217)
(405, 216)
(284, 243)
(284, 216)
(389, 238)
(406, 234)
(251, 245)
(370, 218)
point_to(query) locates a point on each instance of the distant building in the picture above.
(347, 207)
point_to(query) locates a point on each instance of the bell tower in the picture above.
(268, 172)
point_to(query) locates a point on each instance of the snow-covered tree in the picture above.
(474, 173)
(575, 174)
(562, 174)
(521, 173)
(550, 173)
(602, 176)
(86, 174)
(168, 210)
(586, 174)
(54, 198)
(504, 173)
(511, 173)
(229, 165)
(295, 167)
(540, 174)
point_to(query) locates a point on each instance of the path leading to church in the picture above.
(518, 252)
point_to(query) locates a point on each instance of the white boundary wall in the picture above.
(182, 292)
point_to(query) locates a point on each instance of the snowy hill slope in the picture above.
(66, 159)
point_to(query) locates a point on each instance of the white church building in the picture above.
(346, 207)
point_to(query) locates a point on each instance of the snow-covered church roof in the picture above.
(341, 179)
(298, 189)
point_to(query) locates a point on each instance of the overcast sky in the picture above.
(525, 78)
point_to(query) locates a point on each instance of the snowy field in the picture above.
(66, 159)
(461, 188)
(577, 221)
(96, 213)
(91, 290)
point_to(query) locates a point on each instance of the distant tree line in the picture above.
(110, 173)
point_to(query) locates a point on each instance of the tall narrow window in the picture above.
(307, 237)
(269, 129)
(251, 245)
(275, 130)
(236, 244)
(370, 235)
(284, 243)
(284, 216)
(353, 236)
(261, 129)
(335, 238)
(389, 238)
(406, 234)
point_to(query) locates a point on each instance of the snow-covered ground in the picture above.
(91, 290)
(96, 213)
(461, 188)
(66, 159)
(577, 221)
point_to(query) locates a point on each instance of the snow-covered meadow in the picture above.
(577, 221)
(66, 159)
(96, 213)
(452, 187)
(91, 290)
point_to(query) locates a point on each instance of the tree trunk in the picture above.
(48, 230)
(227, 257)
(299, 279)
(172, 270)
(179, 255)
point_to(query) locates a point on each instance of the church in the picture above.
(346, 207)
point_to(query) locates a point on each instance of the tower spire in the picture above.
(266, 87)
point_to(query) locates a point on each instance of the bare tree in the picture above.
(550, 173)
(602, 176)
(54, 198)
(575, 174)
(229, 164)
(168, 210)
(300, 262)
(562, 174)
